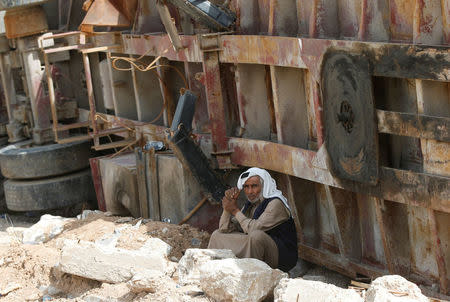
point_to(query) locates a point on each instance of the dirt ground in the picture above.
(29, 272)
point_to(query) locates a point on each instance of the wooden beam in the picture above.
(338, 263)
(414, 125)
(170, 26)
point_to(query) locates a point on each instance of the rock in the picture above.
(149, 281)
(49, 290)
(97, 298)
(16, 232)
(9, 288)
(305, 290)
(108, 293)
(299, 269)
(33, 297)
(86, 214)
(196, 242)
(124, 220)
(48, 227)
(6, 260)
(238, 280)
(194, 291)
(114, 265)
(189, 264)
(394, 288)
(110, 240)
(5, 239)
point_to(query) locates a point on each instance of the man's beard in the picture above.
(256, 199)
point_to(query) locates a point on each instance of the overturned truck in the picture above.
(346, 102)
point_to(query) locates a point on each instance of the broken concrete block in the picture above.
(114, 265)
(238, 280)
(48, 227)
(108, 293)
(150, 281)
(9, 288)
(120, 171)
(49, 290)
(394, 288)
(305, 290)
(16, 232)
(5, 239)
(194, 258)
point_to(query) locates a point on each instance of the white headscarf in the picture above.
(269, 187)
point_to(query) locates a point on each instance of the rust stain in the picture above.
(312, 52)
(353, 165)
(402, 16)
(25, 22)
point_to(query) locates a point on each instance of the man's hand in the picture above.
(229, 203)
(232, 193)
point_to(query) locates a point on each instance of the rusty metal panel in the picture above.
(442, 230)
(402, 16)
(291, 111)
(123, 93)
(253, 101)
(156, 45)
(25, 22)
(97, 180)
(149, 100)
(127, 7)
(107, 13)
(414, 125)
(275, 58)
(372, 248)
(14, 4)
(215, 100)
(446, 21)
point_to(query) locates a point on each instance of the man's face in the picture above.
(252, 188)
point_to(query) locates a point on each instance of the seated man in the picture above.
(264, 228)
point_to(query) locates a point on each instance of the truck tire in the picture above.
(51, 193)
(20, 162)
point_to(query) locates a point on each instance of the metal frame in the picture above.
(401, 186)
(85, 48)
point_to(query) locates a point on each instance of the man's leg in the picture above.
(257, 245)
(230, 241)
(261, 246)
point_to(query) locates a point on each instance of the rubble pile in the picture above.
(99, 257)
